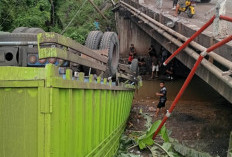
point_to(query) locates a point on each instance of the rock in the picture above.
(152, 109)
(137, 152)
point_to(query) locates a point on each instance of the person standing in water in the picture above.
(163, 98)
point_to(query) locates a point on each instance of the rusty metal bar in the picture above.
(186, 43)
(226, 18)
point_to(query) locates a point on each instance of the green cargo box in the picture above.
(45, 115)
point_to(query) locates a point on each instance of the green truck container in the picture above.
(43, 114)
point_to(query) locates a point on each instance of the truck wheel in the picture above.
(34, 30)
(110, 43)
(20, 30)
(93, 40)
(134, 67)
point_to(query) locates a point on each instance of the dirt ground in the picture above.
(202, 125)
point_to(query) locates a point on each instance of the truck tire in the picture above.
(34, 30)
(20, 30)
(134, 67)
(93, 40)
(110, 42)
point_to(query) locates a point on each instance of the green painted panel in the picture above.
(39, 119)
(21, 73)
(18, 122)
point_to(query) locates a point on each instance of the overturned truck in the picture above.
(52, 104)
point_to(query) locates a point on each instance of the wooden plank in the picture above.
(45, 38)
(125, 68)
(128, 77)
(66, 55)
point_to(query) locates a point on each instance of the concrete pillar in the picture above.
(129, 33)
(159, 3)
(221, 27)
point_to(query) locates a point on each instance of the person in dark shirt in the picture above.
(152, 52)
(170, 72)
(163, 98)
(154, 61)
(132, 50)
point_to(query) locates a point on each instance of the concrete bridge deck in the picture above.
(133, 27)
(204, 11)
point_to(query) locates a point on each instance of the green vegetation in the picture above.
(54, 16)
(164, 147)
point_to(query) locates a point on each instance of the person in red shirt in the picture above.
(130, 58)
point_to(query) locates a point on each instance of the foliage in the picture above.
(169, 148)
(125, 143)
(28, 13)
(146, 140)
(185, 151)
(39, 13)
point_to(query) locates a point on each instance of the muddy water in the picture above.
(201, 120)
(197, 90)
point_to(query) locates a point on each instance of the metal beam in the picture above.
(54, 38)
(66, 55)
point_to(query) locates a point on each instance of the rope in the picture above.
(74, 17)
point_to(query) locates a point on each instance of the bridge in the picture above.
(142, 26)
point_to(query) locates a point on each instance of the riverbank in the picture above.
(201, 120)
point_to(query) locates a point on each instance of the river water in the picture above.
(197, 90)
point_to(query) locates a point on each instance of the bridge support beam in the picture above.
(130, 33)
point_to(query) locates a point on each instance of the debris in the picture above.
(130, 125)
(152, 109)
